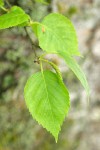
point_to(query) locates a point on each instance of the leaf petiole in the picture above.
(54, 67)
(3, 8)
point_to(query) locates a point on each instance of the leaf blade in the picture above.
(47, 105)
(56, 33)
(73, 65)
(14, 17)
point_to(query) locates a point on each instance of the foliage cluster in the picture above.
(45, 93)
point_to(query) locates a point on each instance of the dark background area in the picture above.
(81, 128)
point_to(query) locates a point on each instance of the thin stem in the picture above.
(32, 1)
(54, 67)
(4, 9)
(31, 41)
(44, 54)
(8, 3)
(41, 66)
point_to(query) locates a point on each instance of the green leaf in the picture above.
(1, 3)
(42, 1)
(48, 100)
(24, 24)
(56, 34)
(72, 64)
(14, 17)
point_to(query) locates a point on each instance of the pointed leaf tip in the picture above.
(47, 100)
(73, 65)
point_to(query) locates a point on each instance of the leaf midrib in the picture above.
(48, 97)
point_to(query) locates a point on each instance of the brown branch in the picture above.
(32, 43)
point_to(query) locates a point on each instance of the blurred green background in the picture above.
(81, 128)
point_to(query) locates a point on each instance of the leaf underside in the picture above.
(48, 100)
(14, 17)
(56, 34)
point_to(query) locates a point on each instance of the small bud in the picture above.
(43, 29)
